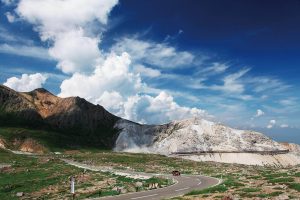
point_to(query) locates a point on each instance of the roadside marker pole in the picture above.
(73, 187)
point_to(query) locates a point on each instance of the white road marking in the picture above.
(144, 196)
(199, 181)
(182, 189)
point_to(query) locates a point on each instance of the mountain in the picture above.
(191, 135)
(74, 122)
(202, 140)
(74, 116)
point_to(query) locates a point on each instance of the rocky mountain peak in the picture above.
(72, 113)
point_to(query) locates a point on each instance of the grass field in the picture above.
(47, 177)
(245, 182)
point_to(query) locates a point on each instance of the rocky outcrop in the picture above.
(192, 135)
(32, 146)
(23, 145)
(2, 144)
(202, 140)
(295, 148)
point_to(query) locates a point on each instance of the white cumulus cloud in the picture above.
(75, 52)
(158, 109)
(53, 17)
(259, 113)
(122, 92)
(67, 25)
(112, 76)
(271, 123)
(26, 82)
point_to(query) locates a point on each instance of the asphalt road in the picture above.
(183, 185)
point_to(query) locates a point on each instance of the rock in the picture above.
(138, 184)
(228, 197)
(2, 144)
(20, 194)
(282, 186)
(32, 146)
(282, 197)
(123, 191)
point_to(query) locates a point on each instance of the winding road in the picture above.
(183, 185)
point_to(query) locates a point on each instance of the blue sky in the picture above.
(235, 62)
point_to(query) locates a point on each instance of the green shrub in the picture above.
(215, 189)
(273, 194)
(295, 186)
(251, 189)
(297, 174)
(282, 180)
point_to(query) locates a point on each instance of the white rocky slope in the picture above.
(195, 135)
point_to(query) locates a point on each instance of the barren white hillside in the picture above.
(190, 135)
(197, 135)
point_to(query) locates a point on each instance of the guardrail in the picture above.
(244, 151)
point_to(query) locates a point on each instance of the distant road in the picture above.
(185, 184)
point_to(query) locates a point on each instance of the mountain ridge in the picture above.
(89, 124)
(43, 109)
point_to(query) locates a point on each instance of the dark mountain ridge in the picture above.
(74, 116)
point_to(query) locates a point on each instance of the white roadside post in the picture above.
(73, 187)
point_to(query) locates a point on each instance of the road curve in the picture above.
(183, 185)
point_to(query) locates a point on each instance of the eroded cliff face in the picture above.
(189, 136)
(294, 148)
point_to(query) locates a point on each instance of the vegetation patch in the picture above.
(273, 194)
(215, 189)
(295, 186)
(250, 190)
(282, 180)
